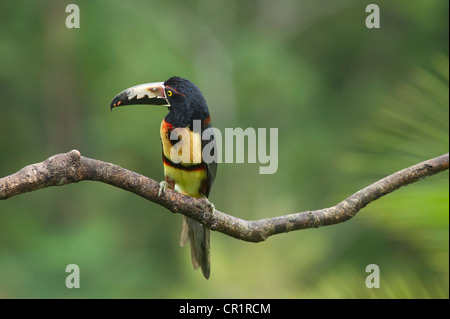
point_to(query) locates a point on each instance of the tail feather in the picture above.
(184, 236)
(198, 237)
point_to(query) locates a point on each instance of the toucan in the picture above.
(191, 175)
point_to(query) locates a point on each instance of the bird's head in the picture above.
(182, 97)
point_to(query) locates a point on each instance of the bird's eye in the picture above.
(169, 93)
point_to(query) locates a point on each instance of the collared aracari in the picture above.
(186, 104)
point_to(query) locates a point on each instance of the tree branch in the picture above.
(71, 167)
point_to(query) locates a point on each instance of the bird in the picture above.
(192, 175)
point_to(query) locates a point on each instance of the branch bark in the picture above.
(71, 167)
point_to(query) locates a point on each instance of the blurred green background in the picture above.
(351, 105)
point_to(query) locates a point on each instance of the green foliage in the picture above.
(351, 104)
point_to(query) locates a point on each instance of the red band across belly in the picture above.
(196, 167)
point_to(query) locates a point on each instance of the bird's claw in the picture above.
(211, 206)
(162, 188)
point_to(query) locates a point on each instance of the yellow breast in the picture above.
(188, 175)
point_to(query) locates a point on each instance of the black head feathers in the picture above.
(186, 102)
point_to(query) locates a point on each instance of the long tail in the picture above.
(198, 236)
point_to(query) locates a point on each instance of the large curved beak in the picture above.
(149, 93)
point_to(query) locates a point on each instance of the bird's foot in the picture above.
(162, 188)
(211, 206)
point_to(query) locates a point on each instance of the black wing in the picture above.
(210, 156)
